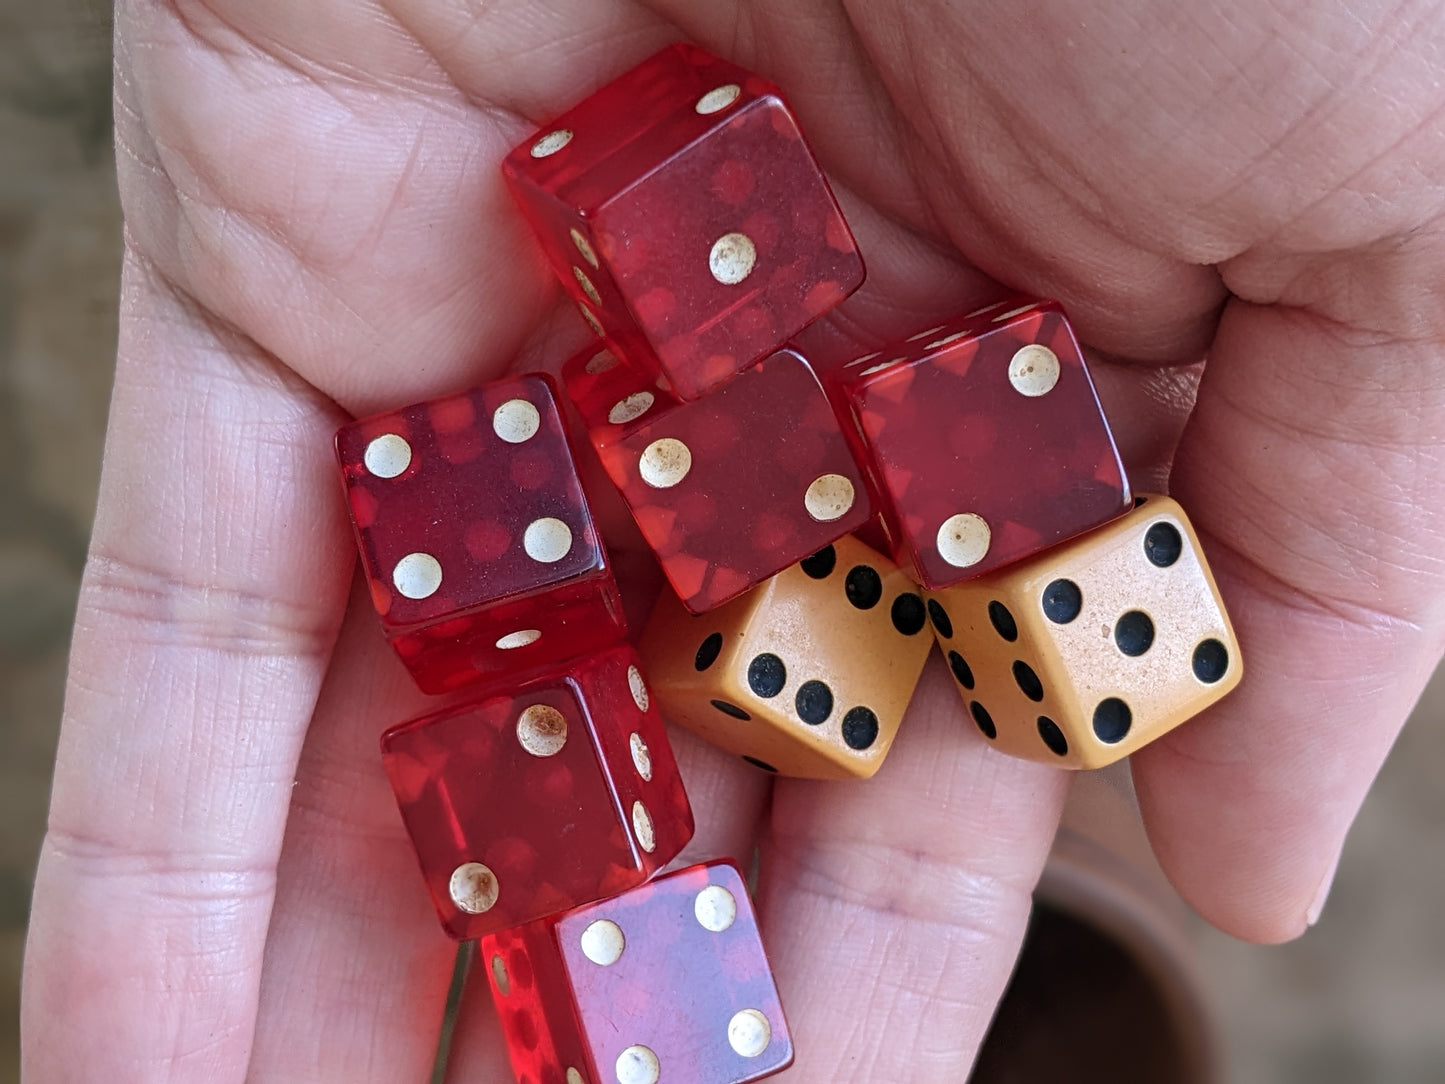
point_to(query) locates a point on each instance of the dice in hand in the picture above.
(475, 535)
(808, 674)
(665, 982)
(1085, 653)
(540, 797)
(682, 209)
(984, 441)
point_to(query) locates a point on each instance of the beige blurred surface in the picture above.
(1361, 998)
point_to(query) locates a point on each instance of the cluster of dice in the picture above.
(682, 209)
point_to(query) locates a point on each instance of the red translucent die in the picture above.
(475, 535)
(553, 794)
(984, 441)
(730, 489)
(666, 982)
(682, 209)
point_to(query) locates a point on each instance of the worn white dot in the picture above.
(551, 143)
(574, 1077)
(964, 539)
(1033, 370)
(946, 340)
(877, 368)
(749, 1033)
(641, 757)
(516, 421)
(634, 406)
(638, 688)
(602, 942)
(547, 540)
(986, 308)
(638, 1065)
(925, 334)
(592, 321)
(387, 456)
(829, 497)
(584, 246)
(718, 99)
(474, 888)
(600, 362)
(520, 638)
(732, 258)
(500, 976)
(642, 826)
(1001, 317)
(417, 575)
(542, 730)
(586, 284)
(664, 463)
(715, 908)
(860, 360)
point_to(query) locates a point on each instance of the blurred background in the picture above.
(1360, 999)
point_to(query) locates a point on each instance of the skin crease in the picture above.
(316, 228)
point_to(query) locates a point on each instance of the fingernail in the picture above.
(1322, 894)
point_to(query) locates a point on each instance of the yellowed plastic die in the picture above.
(808, 674)
(1093, 649)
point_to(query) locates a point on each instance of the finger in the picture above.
(218, 567)
(356, 968)
(894, 908)
(1318, 491)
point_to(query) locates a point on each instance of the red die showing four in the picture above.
(475, 534)
(730, 489)
(562, 791)
(985, 441)
(666, 982)
(682, 208)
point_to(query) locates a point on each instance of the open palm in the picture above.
(316, 228)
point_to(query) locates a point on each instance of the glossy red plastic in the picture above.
(540, 798)
(984, 440)
(730, 489)
(682, 209)
(670, 977)
(475, 535)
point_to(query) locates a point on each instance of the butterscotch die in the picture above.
(1087, 652)
(808, 674)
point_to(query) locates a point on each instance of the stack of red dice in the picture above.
(686, 216)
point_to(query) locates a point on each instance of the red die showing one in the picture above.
(984, 440)
(475, 535)
(683, 210)
(555, 794)
(666, 982)
(730, 489)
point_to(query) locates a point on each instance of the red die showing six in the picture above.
(682, 208)
(560, 792)
(666, 982)
(475, 535)
(730, 489)
(985, 441)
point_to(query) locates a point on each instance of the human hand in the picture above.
(316, 227)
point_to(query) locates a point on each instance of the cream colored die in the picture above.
(807, 674)
(1092, 649)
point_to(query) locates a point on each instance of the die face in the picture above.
(985, 441)
(613, 395)
(807, 675)
(514, 636)
(682, 209)
(670, 982)
(1123, 634)
(530, 990)
(472, 527)
(515, 803)
(734, 488)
